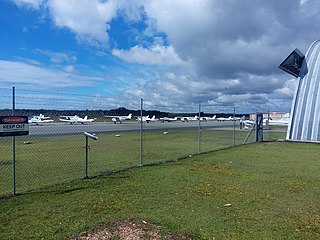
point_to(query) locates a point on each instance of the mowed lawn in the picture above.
(257, 191)
(48, 160)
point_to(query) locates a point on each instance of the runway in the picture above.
(46, 129)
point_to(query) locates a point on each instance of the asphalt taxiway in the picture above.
(126, 126)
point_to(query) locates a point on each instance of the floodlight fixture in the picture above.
(292, 64)
(91, 135)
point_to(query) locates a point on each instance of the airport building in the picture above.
(272, 115)
(304, 123)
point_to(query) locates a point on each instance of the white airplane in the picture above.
(224, 119)
(167, 119)
(119, 119)
(147, 119)
(205, 119)
(76, 119)
(187, 119)
(214, 117)
(196, 118)
(284, 121)
(40, 119)
(248, 123)
(144, 118)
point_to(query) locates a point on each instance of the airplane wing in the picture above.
(46, 121)
(111, 116)
(88, 120)
(119, 119)
(68, 118)
(116, 119)
(64, 120)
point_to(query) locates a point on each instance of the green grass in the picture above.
(59, 159)
(273, 188)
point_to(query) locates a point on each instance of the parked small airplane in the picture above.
(167, 119)
(187, 119)
(224, 119)
(119, 119)
(40, 119)
(76, 119)
(284, 121)
(144, 118)
(196, 118)
(147, 119)
(214, 117)
(205, 119)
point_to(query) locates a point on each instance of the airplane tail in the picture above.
(64, 120)
(129, 116)
(285, 117)
(85, 118)
(153, 117)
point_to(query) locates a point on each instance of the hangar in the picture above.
(304, 122)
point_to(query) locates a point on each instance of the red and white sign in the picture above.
(13, 126)
(13, 120)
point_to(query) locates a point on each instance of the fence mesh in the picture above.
(55, 152)
(113, 151)
(5, 166)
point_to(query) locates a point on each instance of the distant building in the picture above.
(272, 115)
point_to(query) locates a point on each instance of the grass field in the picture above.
(58, 159)
(273, 189)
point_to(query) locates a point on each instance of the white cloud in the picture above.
(303, 2)
(88, 19)
(218, 51)
(249, 93)
(288, 89)
(69, 69)
(31, 76)
(235, 46)
(157, 54)
(58, 57)
(29, 3)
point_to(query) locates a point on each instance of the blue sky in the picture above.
(173, 54)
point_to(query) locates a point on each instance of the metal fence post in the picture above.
(268, 126)
(13, 145)
(94, 137)
(141, 130)
(199, 128)
(234, 126)
(259, 127)
(87, 153)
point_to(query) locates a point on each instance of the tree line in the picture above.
(121, 111)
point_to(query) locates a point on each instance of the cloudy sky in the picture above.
(173, 54)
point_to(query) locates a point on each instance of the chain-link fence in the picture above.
(57, 151)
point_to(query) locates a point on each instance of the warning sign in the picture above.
(13, 126)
